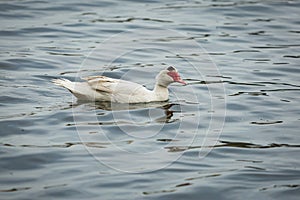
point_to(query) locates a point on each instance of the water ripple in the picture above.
(48, 140)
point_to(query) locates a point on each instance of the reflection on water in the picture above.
(52, 147)
(119, 106)
(145, 108)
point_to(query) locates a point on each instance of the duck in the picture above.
(106, 89)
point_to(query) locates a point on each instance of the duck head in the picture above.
(168, 76)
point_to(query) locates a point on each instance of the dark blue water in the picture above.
(231, 133)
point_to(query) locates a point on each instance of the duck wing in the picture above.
(101, 83)
(114, 86)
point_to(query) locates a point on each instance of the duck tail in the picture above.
(64, 83)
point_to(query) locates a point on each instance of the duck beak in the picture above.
(176, 77)
(179, 80)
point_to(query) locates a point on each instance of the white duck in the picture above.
(102, 88)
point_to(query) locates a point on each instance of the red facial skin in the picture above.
(176, 77)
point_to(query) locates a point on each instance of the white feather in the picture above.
(101, 88)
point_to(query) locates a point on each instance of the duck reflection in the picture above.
(149, 108)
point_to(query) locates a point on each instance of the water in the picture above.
(241, 54)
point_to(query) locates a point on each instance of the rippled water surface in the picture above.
(231, 133)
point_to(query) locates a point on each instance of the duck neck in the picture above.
(161, 92)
